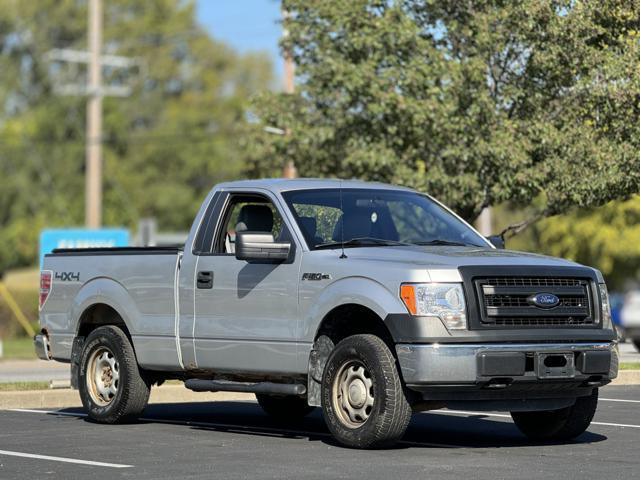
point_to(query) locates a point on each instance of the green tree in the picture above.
(476, 102)
(606, 238)
(165, 145)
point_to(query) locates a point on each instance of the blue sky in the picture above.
(246, 25)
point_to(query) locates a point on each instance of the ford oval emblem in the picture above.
(544, 300)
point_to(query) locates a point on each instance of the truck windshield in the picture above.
(370, 217)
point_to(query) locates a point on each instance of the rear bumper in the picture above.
(498, 366)
(41, 344)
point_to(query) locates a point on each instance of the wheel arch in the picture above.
(350, 296)
(97, 315)
(339, 323)
(352, 319)
(103, 301)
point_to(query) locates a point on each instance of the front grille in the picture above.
(533, 282)
(541, 322)
(521, 301)
(507, 301)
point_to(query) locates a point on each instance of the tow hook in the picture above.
(499, 383)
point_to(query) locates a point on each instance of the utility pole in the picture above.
(94, 90)
(484, 222)
(93, 177)
(289, 66)
(289, 170)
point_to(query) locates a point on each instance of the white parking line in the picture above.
(618, 400)
(63, 459)
(466, 412)
(51, 412)
(502, 415)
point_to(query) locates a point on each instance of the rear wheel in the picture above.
(636, 342)
(564, 424)
(112, 388)
(362, 395)
(284, 407)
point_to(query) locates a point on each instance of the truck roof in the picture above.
(285, 184)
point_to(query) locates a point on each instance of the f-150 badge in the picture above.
(316, 276)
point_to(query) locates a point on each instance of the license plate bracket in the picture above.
(555, 365)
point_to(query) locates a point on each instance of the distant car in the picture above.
(617, 302)
(630, 316)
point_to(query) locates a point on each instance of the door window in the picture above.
(251, 214)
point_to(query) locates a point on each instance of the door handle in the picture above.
(204, 279)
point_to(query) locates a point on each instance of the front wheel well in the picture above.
(342, 322)
(353, 319)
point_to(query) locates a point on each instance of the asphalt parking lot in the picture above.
(235, 440)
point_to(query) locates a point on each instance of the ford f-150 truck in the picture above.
(369, 300)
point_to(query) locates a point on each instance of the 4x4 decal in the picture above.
(67, 276)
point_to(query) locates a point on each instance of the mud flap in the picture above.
(76, 353)
(317, 360)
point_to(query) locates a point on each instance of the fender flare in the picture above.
(106, 291)
(356, 290)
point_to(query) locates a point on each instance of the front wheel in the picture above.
(564, 424)
(112, 388)
(362, 395)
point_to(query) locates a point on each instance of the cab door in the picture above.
(246, 312)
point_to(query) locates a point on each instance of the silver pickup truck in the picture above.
(368, 300)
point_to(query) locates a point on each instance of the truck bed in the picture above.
(139, 283)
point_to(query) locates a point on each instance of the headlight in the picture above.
(606, 305)
(442, 300)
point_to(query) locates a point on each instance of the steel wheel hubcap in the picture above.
(353, 397)
(103, 376)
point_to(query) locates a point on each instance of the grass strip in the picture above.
(23, 386)
(630, 366)
(18, 349)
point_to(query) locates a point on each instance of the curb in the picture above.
(627, 377)
(67, 398)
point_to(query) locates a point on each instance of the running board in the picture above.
(202, 385)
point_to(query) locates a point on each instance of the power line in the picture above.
(177, 137)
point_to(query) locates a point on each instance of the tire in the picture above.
(284, 407)
(636, 342)
(363, 400)
(119, 393)
(563, 424)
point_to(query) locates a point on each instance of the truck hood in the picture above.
(391, 265)
(443, 257)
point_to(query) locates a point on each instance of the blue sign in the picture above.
(82, 238)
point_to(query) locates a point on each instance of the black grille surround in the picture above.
(498, 297)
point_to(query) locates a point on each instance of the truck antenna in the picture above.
(341, 223)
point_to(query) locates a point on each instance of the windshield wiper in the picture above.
(362, 242)
(444, 242)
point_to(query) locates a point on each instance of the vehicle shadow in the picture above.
(427, 430)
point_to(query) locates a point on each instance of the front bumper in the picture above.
(482, 365)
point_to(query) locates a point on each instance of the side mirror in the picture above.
(260, 246)
(497, 241)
